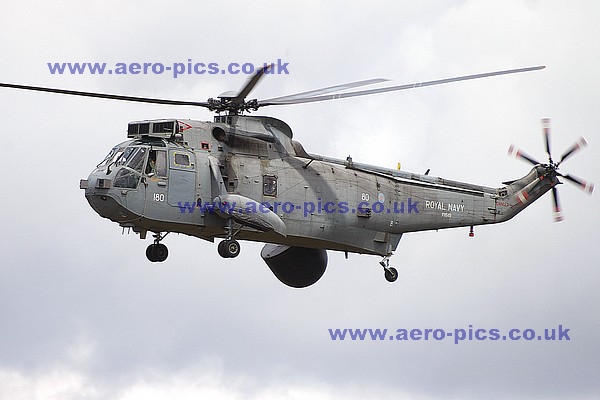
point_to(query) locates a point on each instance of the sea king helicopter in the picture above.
(244, 177)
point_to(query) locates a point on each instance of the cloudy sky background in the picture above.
(83, 314)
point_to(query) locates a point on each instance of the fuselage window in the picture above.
(270, 185)
(182, 160)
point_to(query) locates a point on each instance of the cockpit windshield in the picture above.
(112, 156)
(131, 160)
(136, 159)
(126, 155)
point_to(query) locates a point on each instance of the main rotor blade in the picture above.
(580, 144)
(317, 92)
(394, 88)
(518, 153)
(586, 186)
(239, 99)
(557, 213)
(546, 129)
(106, 95)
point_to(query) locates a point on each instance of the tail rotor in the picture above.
(552, 167)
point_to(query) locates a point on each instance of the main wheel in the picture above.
(391, 274)
(229, 248)
(157, 252)
(232, 248)
(160, 252)
(151, 252)
(221, 249)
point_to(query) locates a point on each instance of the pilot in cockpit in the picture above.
(151, 166)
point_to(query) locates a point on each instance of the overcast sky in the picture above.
(83, 314)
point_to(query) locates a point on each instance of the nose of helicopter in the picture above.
(106, 200)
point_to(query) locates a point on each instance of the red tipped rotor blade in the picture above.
(578, 145)
(518, 153)
(586, 186)
(557, 212)
(546, 129)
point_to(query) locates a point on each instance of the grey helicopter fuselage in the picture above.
(248, 170)
(244, 177)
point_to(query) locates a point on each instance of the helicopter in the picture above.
(244, 177)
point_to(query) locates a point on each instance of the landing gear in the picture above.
(229, 248)
(157, 252)
(390, 273)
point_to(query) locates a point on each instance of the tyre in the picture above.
(391, 274)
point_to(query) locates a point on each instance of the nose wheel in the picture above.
(157, 252)
(390, 273)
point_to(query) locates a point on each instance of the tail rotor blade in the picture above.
(551, 170)
(518, 153)
(546, 129)
(578, 145)
(557, 211)
(585, 186)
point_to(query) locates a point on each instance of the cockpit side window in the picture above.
(161, 163)
(157, 163)
(126, 178)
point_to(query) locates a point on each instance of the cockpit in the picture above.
(132, 159)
